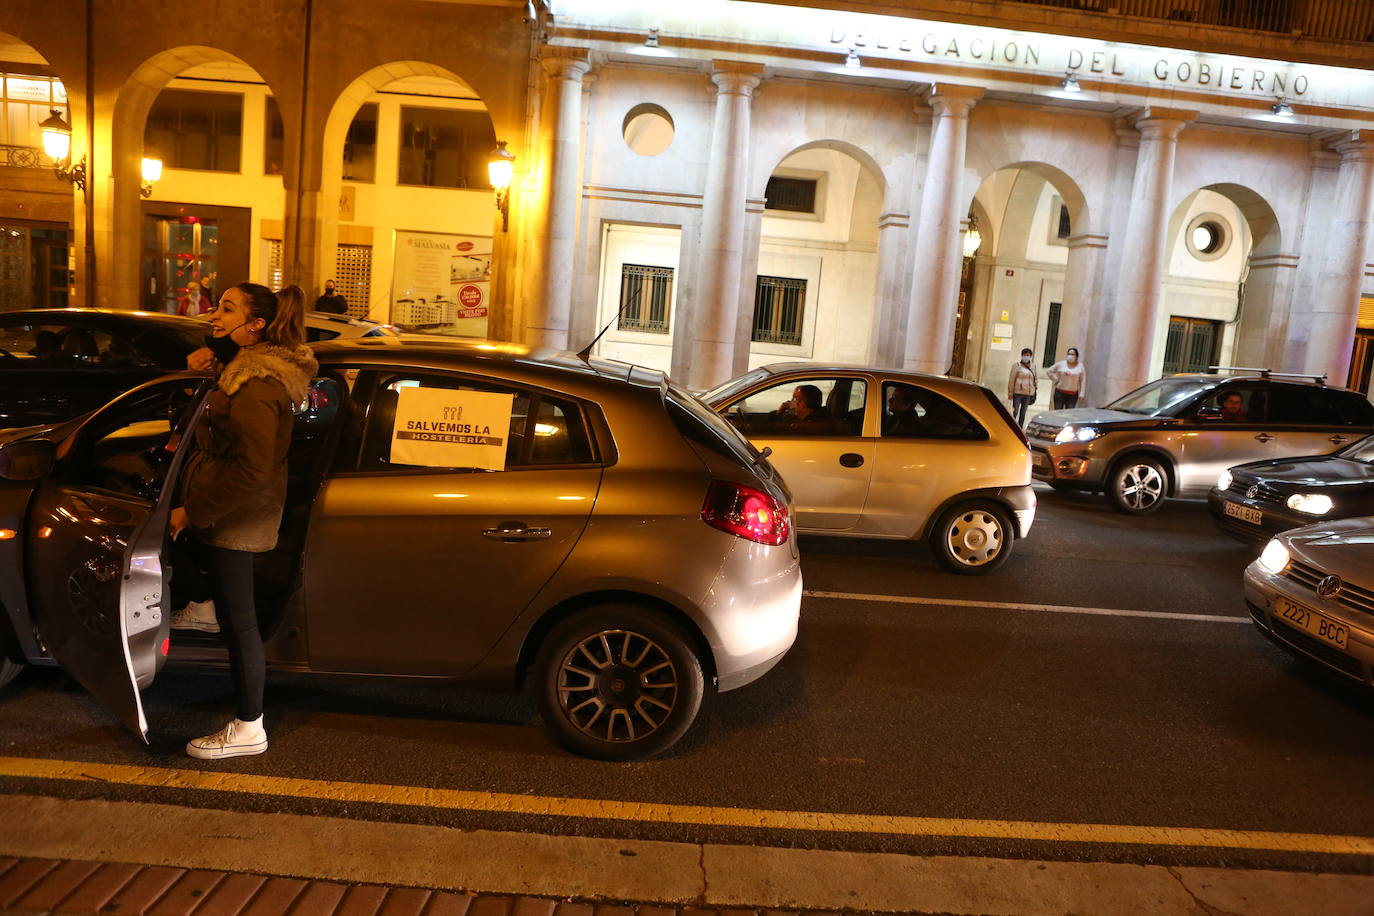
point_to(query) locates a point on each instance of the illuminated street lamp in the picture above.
(152, 171)
(972, 237)
(57, 143)
(500, 171)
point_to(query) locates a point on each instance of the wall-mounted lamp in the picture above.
(57, 143)
(651, 40)
(852, 61)
(972, 237)
(1070, 83)
(1281, 108)
(500, 171)
(152, 171)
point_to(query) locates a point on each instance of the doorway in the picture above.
(1191, 345)
(35, 265)
(184, 243)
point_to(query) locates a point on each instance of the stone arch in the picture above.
(988, 354)
(1266, 280)
(837, 326)
(130, 116)
(330, 162)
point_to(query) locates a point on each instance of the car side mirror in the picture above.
(27, 459)
(1209, 413)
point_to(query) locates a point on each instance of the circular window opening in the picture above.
(648, 129)
(1208, 237)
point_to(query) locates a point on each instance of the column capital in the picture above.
(952, 99)
(1355, 145)
(1155, 123)
(565, 63)
(735, 77)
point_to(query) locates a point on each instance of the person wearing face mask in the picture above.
(1021, 386)
(1068, 377)
(234, 485)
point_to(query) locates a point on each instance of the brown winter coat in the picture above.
(235, 484)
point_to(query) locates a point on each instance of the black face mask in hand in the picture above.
(224, 348)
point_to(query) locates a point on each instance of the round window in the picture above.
(648, 129)
(1208, 237)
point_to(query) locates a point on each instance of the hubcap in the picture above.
(975, 537)
(1141, 486)
(617, 686)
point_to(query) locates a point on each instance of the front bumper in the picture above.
(1071, 464)
(1274, 517)
(1355, 661)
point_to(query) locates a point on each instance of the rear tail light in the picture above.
(747, 513)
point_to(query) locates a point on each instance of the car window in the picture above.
(802, 407)
(913, 412)
(1305, 404)
(1353, 408)
(126, 446)
(703, 425)
(729, 389)
(1158, 397)
(1235, 404)
(534, 429)
(314, 334)
(50, 345)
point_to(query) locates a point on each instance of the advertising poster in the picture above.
(448, 428)
(441, 282)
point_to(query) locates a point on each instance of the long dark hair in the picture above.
(284, 312)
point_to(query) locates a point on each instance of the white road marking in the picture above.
(1014, 606)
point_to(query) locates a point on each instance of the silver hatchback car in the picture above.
(878, 453)
(476, 513)
(1312, 592)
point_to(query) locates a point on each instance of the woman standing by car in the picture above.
(234, 486)
(1067, 376)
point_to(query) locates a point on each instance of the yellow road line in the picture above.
(650, 812)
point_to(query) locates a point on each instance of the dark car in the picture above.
(1255, 501)
(1173, 436)
(472, 513)
(56, 364)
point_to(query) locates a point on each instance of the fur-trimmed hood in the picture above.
(293, 368)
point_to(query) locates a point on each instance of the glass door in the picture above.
(177, 252)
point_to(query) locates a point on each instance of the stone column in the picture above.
(547, 315)
(715, 315)
(885, 336)
(1143, 259)
(939, 248)
(1337, 303)
(1083, 276)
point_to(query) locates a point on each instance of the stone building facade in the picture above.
(724, 184)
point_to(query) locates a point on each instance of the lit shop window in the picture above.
(25, 101)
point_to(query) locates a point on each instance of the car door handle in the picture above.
(517, 532)
(1338, 439)
(1263, 437)
(852, 460)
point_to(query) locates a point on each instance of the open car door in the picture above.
(97, 583)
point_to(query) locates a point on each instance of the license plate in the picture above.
(1319, 625)
(1244, 513)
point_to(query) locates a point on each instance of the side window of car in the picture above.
(1304, 404)
(802, 407)
(1354, 408)
(535, 430)
(913, 412)
(1234, 404)
(314, 334)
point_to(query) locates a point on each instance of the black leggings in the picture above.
(228, 576)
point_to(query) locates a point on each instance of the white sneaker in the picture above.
(198, 615)
(237, 739)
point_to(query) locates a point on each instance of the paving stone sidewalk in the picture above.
(42, 886)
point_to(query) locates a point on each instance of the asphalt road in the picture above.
(974, 712)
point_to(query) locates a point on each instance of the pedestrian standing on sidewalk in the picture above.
(1021, 386)
(1068, 377)
(234, 486)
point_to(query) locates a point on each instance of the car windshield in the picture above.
(725, 390)
(1363, 450)
(1159, 397)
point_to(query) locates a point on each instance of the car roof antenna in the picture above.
(586, 352)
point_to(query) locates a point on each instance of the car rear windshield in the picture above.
(1159, 397)
(702, 425)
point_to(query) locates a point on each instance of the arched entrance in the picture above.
(36, 207)
(1032, 280)
(405, 208)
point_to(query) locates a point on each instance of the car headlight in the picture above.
(1274, 558)
(1311, 503)
(1077, 434)
(1224, 480)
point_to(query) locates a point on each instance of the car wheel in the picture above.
(9, 670)
(973, 538)
(618, 682)
(1137, 486)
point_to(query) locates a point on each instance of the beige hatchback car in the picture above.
(880, 453)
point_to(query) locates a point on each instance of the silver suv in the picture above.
(1174, 436)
